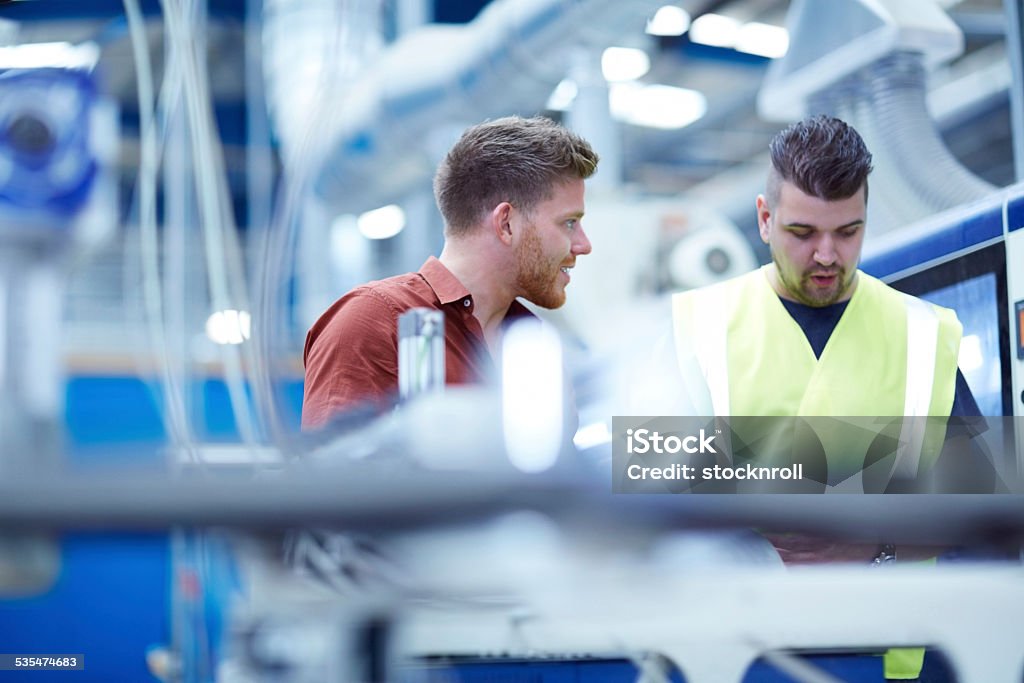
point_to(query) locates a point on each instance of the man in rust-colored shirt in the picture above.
(511, 193)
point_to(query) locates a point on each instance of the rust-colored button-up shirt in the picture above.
(351, 353)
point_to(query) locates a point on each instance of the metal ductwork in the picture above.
(390, 126)
(915, 174)
(874, 77)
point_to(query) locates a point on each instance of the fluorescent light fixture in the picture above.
(970, 358)
(563, 96)
(229, 327)
(624, 64)
(714, 29)
(656, 106)
(54, 55)
(593, 434)
(531, 395)
(669, 21)
(382, 223)
(763, 39)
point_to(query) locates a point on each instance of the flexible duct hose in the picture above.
(898, 94)
(916, 175)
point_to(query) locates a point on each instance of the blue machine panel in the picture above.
(1015, 214)
(942, 243)
(109, 603)
(976, 302)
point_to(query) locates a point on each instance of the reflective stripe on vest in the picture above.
(711, 347)
(922, 345)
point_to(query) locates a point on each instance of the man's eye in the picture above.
(800, 234)
(571, 223)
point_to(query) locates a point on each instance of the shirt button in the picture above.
(466, 302)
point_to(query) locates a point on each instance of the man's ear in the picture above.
(500, 222)
(763, 214)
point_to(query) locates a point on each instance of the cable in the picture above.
(279, 247)
(222, 251)
(174, 417)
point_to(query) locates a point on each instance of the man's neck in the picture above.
(481, 274)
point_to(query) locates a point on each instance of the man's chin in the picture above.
(549, 301)
(818, 301)
(549, 305)
(813, 296)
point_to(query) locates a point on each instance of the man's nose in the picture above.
(825, 251)
(581, 243)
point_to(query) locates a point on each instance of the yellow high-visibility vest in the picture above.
(863, 370)
(890, 355)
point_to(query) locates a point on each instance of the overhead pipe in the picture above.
(391, 125)
(876, 81)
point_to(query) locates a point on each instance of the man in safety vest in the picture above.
(811, 335)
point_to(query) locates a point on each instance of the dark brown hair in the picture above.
(823, 156)
(512, 159)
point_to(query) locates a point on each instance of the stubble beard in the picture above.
(537, 276)
(809, 294)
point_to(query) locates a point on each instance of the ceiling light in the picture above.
(714, 29)
(669, 21)
(382, 223)
(624, 64)
(229, 327)
(563, 96)
(655, 106)
(763, 39)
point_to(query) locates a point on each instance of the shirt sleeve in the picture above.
(351, 357)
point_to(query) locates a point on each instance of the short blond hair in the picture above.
(513, 159)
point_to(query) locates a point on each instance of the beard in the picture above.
(537, 274)
(807, 292)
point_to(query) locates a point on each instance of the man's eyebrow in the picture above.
(808, 226)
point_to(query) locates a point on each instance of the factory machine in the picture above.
(965, 258)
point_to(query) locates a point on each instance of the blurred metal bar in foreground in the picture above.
(389, 500)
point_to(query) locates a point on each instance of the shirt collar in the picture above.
(446, 286)
(449, 288)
